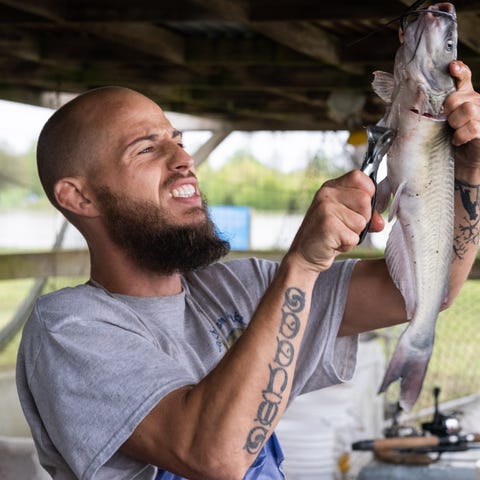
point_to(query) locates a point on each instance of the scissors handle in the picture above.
(379, 141)
(364, 232)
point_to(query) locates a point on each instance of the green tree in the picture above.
(18, 177)
(243, 180)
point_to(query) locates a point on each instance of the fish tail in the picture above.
(410, 366)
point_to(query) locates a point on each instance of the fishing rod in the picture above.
(432, 443)
(441, 434)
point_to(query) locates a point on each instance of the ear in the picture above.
(72, 195)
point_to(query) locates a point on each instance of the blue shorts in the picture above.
(267, 465)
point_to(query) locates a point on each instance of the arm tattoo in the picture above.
(278, 379)
(467, 232)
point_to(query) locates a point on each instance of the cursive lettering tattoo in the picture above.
(467, 232)
(278, 377)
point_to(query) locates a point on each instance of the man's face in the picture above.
(147, 191)
(139, 154)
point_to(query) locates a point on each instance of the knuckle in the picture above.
(474, 128)
(362, 222)
(348, 241)
(470, 109)
(356, 174)
(365, 204)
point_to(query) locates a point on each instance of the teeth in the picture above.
(184, 191)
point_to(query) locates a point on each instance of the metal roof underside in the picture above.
(254, 65)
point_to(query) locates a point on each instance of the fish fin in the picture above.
(383, 85)
(396, 201)
(409, 365)
(400, 268)
(384, 193)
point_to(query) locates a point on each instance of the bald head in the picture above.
(75, 136)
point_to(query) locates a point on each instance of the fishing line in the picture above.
(417, 44)
(411, 10)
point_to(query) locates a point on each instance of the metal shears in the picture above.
(379, 140)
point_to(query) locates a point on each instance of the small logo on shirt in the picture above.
(228, 330)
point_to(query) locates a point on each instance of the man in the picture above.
(142, 372)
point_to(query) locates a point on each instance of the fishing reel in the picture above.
(441, 425)
(419, 447)
(397, 429)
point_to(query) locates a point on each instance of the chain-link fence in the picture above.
(454, 364)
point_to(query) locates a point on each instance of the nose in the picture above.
(180, 161)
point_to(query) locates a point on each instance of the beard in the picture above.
(148, 236)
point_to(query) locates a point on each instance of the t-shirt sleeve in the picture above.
(111, 376)
(326, 359)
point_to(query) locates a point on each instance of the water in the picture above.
(37, 230)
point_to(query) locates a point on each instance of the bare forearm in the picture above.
(265, 358)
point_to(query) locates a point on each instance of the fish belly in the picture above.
(419, 248)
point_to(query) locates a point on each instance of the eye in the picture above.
(449, 45)
(145, 150)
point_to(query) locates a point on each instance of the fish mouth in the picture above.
(444, 9)
(423, 114)
(440, 117)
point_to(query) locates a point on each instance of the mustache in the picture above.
(177, 176)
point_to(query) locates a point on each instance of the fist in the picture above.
(338, 214)
(462, 108)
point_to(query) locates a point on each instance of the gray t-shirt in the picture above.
(92, 364)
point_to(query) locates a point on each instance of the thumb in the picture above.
(377, 224)
(462, 75)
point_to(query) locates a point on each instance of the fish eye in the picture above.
(449, 45)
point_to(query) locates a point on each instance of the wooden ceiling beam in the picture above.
(20, 45)
(279, 10)
(23, 43)
(46, 9)
(302, 37)
(141, 36)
